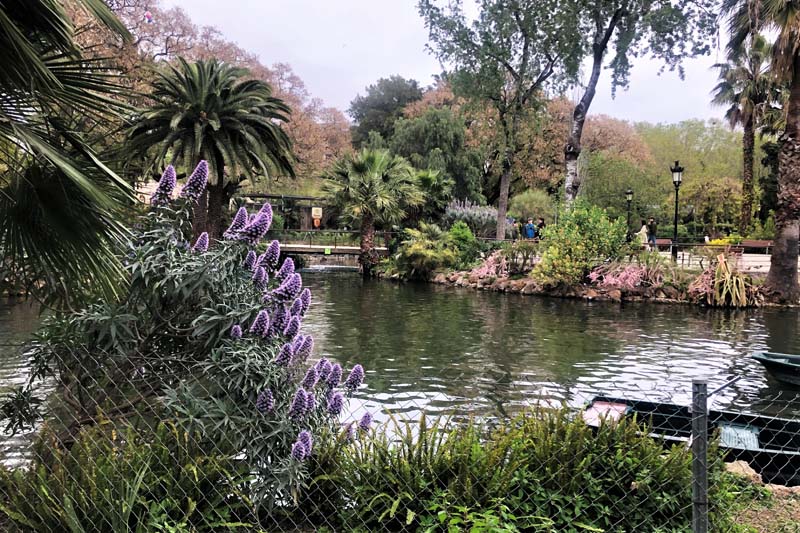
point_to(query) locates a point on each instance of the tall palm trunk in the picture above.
(216, 206)
(200, 215)
(368, 258)
(748, 147)
(781, 281)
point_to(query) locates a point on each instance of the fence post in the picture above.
(699, 456)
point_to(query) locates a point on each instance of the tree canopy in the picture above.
(381, 107)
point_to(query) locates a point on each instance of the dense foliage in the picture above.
(208, 335)
(583, 238)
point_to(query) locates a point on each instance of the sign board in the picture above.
(327, 251)
(316, 212)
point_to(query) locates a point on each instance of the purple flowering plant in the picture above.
(235, 344)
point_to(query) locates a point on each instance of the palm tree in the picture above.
(210, 110)
(58, 201)
(372, 187)
(748, 17)
(747, 89)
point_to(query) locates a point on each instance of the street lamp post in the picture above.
(629, 199)
(677, 177)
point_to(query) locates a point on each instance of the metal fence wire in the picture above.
(169, 445)
(197, 402)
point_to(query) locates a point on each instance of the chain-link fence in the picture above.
(169, 445)
(196, 402)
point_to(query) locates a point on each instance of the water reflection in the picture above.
(444, 350)
(441, 349)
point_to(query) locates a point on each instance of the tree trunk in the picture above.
(781, 283)
(368, 258)
(572, 150)
(748, 146)
(216, 206)
(502, 201)
(200, 214)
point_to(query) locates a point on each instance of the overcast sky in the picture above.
(338, 47)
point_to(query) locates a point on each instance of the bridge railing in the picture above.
(333, 238)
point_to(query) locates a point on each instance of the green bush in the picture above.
(424, 251)
(533, 203)
(545, 470)
(583, 238)
(465, 242)
(127, 480)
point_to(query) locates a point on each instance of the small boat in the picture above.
(771, 446)
(782, 366)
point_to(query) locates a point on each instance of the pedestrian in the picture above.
(642, 236)
(540, 228)
(530, 229)
(651, 233)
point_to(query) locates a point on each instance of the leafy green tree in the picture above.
(747, 18)
(667, 30)
(372, 187)
(59, 203)
(210, 110)
(533, 203)
(381, 107)
(437, 140)
(747, 89)
(437, 188)
(505, 58)
(424, 251)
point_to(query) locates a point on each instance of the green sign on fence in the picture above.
(327, 251)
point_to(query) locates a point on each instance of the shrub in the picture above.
(127, 480)
(542, 471)
(424, 251)
(533, 203)
(583, 238)
(723, 285)
(465, 242)
(208, 335)
(481, 219)
(520, 256)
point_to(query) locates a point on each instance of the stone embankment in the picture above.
(526, 285)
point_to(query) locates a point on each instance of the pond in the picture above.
(444, 350)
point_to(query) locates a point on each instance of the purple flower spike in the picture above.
(201, 245)
(287, 269)
(297, 308)
(311, 402)
(166, 185)
(265, 402)
(307, 439)
(335, 404)
(324, 369)
(310, 379)
(237, 224)
(236, 331)
(255, 230)
(299, 451)
(350, 431)
(355, 379)
(266, 211)
(260, 261)
(297, 410)
(260, 324)
(335, 375)
(285, 356)
(365, 422)
(289, 289)
(260, 278)
(196, 183)
(292, 328)
(272, 255)
(279, 320)
(250, 260)
(305, 299)
(305, 348)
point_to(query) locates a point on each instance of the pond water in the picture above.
(445, 350)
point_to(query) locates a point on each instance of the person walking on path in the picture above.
(643, 236)
(651, 233)
(530, 229)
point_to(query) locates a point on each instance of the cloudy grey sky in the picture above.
(338, 47)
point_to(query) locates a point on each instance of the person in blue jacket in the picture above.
(530, 229)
